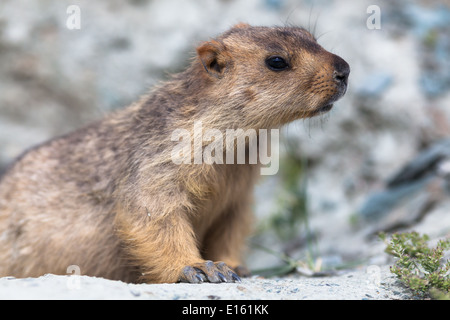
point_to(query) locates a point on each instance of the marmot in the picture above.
(109, 198)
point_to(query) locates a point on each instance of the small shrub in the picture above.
(418, 266)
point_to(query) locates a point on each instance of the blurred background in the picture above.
(379, 161)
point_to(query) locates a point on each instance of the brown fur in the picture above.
(109, 199)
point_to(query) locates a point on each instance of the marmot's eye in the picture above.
(276, 63)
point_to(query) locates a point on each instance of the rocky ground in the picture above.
(371, 284)
(379, 161)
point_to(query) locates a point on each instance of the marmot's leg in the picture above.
(225, 240)
(165, 249)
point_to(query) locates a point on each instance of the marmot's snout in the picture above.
(341, 73)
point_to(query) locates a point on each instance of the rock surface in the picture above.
(374, 283)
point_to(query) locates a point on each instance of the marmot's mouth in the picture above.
(325, 108)
(321, 110)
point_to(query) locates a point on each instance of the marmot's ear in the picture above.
(214, 57)
(241, 25)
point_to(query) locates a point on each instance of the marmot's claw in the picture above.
(236, 277)
(199, 277)
(222, 277)
(189, 274)
(208, 271)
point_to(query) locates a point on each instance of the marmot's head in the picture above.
(272, 75)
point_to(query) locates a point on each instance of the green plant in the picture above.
(290, 218)
(418, 266)
(292, 213)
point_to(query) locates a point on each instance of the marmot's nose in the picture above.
(341, 70)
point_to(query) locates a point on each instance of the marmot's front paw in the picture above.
(208, 271)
